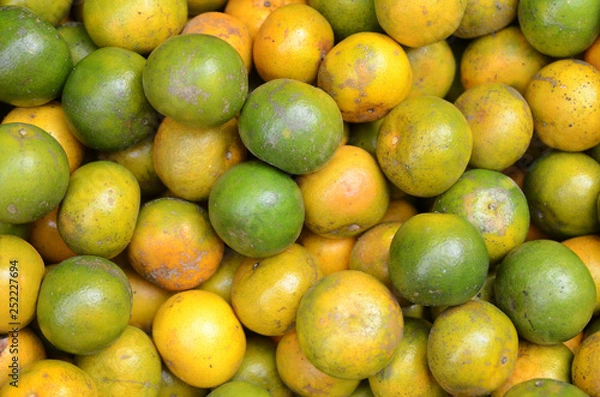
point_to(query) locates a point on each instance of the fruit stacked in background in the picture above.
(300, 197)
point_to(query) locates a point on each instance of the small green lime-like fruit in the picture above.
(438, 259)
(494, 204)
(131, 366)
(292, 125)
(558, 28)
(84, 304)
(207, 85)
(34, 60)
(546, 290)
(545, 387)
(256, 209)
(104, 100)
(79, 41)
(347, 17)
(562, 190)
(237, 388)
(34, 171)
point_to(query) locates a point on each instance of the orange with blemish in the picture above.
(254, 12)
(492, 59)
(291, 43)
(226, 27)
(173, 245)
(349, 325)
(564, 97)
(367, 74)
(345, 197)
(419, 23)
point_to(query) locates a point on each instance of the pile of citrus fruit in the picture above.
(300, 198)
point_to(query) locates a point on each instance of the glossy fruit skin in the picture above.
(34, 65)
(434, 265)
(416, 24)
(485, 17)
(173, 244)
(104, 100)
(206, 87)
(291, 125)
(434, 69)
(587, 247)
(225, 26)
(99, 211)
(136, 25)
(564, 97)
(538, 361)
(34, 170)
(494, 204)
(424, 145)
(77, 39)
(472, 348)
(559, 29)
(51, 118)
(189, 160)
(277, 283)
(359, 73)
(291, 43)
(128, 366)
(347, 196)
(256, 209)
(501, 123)
(574, 211)
(199, 338)
(348, 16)
(490, 59)
(349, 325)
(301, 376)
(546, 290)
(102, 310)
